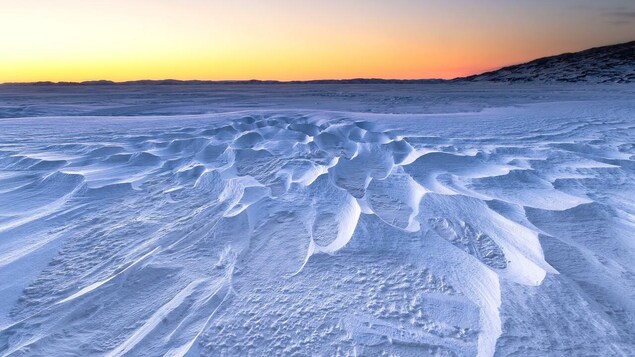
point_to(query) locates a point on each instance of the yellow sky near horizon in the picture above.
(73, 40)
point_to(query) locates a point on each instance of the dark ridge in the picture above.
(205, 82)
(606, 64)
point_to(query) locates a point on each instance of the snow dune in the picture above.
(311, 232)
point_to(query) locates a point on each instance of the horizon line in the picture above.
(357, 80)
(167, 81)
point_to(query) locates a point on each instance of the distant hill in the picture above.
(206, 82)
(607, 64)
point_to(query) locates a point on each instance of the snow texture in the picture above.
(401, 220)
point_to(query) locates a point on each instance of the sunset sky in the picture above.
(75, 40)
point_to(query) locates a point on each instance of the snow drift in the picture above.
(303, 232)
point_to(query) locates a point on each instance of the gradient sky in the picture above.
(74, 40)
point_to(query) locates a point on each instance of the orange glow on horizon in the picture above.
(120, 40)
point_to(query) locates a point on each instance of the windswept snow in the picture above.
(475, 226)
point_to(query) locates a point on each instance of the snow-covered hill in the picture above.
(505, 230)
(608, 64)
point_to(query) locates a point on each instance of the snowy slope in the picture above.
(608, 64)
(506, 230)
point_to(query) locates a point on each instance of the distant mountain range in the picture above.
(607, 64)
(251, 81)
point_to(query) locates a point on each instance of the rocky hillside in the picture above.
(607, 64)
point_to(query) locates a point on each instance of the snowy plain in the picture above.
(333, 220)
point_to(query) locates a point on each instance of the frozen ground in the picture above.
(325, 220)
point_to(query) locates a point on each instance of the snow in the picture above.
(394, 219)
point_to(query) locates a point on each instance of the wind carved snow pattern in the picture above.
(308, 232)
